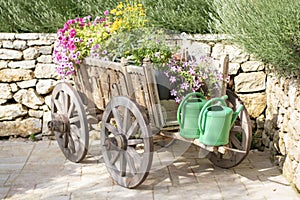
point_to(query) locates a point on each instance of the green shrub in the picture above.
(180, 15)
(49, 15)
(270, 29)
(45, 15)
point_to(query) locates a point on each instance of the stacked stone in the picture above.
(27, 77)
(282, 125)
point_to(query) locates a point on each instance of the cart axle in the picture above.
(59, 126)
(119, 142)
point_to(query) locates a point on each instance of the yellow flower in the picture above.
(119, 13)
(113, 11)
(120, 6)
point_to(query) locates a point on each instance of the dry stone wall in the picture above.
(27, 77)
(282, 127)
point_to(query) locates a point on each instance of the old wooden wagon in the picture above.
(123, 99)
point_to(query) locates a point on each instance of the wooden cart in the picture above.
(124, 100)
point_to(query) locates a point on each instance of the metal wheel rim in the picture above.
(239, 140)
(66, 102)
(128, 166)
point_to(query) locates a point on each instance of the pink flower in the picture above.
(72, 47)
(106, 12)
(72, 33)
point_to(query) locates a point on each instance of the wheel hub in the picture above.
(118, 142)
(60, 124)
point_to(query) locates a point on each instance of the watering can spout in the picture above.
(236, 114)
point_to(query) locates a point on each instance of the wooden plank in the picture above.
(225, 67)
(155, 108)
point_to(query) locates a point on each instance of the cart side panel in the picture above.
(101, 80)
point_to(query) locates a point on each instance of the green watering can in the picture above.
(215, 122)
(188, 113)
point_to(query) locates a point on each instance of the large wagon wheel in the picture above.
(126, 139)
(239, 139)
(69, 122)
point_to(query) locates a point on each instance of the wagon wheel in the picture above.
(239, 139)
(69, 122)
(126, 140)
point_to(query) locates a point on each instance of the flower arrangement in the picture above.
(120, 32)
(124, 32)
(187, 76)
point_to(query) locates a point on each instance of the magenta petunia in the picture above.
(106, 12)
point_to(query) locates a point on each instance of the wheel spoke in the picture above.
(133, 128)
(58, 105)
(62, 100)
(126, 119)
(71, 109)
(132, 142)
(237, 129)
(75, 119)
(117, 118)
(138, 158)
(111, 128)
(115, 157)
(123, 163)
(131, 164)
(71, 143)
(235, 141)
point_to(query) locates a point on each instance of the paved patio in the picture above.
(38, 170)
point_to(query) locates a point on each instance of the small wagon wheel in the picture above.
(69, 122)
(239, 139)
(126, 139)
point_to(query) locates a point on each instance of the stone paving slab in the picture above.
(38, 170)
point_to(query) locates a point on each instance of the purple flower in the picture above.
(104, 52)
(172, 79)
(157, 54)
(173, 92)
(192, 71)
(177, 99)
(173, 68)
(220, 77)
(65, 58)
(96, 55)
(73, 56)
(184, 86)
(97, 46)
(91, 40)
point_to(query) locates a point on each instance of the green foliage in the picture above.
(269, 29)
(180, 15)
(45, 16)
(49, 15)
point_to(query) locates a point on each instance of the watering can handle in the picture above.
(208, 103)
(184, 101)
